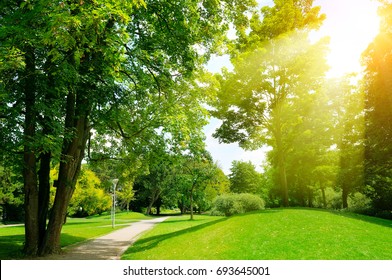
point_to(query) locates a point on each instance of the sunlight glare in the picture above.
(351, 25)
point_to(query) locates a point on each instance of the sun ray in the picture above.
(351, 25)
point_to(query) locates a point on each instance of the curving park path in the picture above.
(107, 247)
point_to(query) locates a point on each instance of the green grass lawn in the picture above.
(281, 234)
(74, 231)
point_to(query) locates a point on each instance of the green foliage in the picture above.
(244, 178)
(349, 137)
(378, 114)
(219, 185)
(89, 199)
(359, 203)
(11, 196)
(231, 204)
(9, 188)
(126, 194)
(198, 171)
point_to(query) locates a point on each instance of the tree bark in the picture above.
(76, 121)
(46, 155)
(181, 205)
(29, 158)
(44, 194)
(158, 205)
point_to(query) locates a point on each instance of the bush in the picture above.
(359, 203)
(231, 204)
(88, 198)
(250, 202)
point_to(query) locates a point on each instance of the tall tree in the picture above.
(274, 66)
(349, 137)
(244, 178)
(378, 103)
(197, 172)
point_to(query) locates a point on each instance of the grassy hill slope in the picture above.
(281, 234)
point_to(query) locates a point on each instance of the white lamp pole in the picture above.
(115, 181)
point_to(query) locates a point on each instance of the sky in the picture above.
(351, 26)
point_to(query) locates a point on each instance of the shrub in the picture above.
(250, 202)
(231, 204)
(359, 203)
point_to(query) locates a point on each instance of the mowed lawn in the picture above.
(74, 231)
(281, 234)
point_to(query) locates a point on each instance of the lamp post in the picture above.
(115, 181)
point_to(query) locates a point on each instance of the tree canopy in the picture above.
(244, 178)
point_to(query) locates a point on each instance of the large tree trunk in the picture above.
(46, 156)
(149, 209)
(158, 205)
(76, 122)
(44, 194)
(29, 158)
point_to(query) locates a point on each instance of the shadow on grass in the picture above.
(148, 243)
(364, 218)
(347, 214)
(68, 239)
(180, 221)
(166, 214)
(71, 223)
(258, 212)
(11, 247)
(102, 222)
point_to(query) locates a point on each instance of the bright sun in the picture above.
(351, 25)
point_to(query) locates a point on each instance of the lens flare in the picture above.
(351, 25)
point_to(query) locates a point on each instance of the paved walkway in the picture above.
(107, 247)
